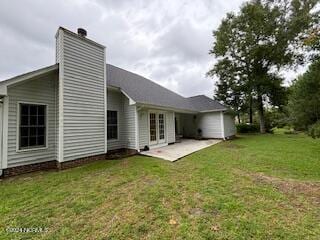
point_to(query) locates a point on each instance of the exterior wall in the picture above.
(143, 120)
(114, 154)
(42, 90)
(130, 124)
(189, 125)
(170, 126)
(115, 103)
(126, 121)
(143, 128)
(229, 125)
(210, 124)
(82, 92)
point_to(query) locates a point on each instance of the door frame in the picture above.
(149, 135)
(158, 142)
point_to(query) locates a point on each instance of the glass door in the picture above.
(153, 128)
(161, 122)
(157, 128)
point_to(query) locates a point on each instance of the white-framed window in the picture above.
(32, 127)
(112, 125)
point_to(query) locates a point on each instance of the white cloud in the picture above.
(166, 41)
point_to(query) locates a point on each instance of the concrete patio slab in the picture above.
(176, 151)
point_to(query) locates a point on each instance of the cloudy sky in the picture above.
(164, 40)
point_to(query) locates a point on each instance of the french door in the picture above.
(157, 128)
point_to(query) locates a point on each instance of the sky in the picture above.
(166, 41)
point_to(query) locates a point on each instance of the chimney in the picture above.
(82, 72)
(82, 32)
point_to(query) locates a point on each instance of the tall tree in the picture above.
(304, 100)
(259, 41)
(228, 88)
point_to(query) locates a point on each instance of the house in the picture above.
(82, 108)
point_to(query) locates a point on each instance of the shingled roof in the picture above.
(203, 103)
(145, 91)
(139, 89)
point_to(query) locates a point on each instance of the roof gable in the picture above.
(145, 91)
(204, 104)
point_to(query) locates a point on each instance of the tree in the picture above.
(304, 100)
(259, 41)
(229, 90)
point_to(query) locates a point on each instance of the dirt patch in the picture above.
(150, 182)
(199, 212)
(196, 212)
(311, 190)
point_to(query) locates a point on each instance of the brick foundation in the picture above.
(14, 171)
(112, 154)
(80, 161)
(120, 153)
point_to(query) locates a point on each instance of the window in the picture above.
(161, 126)
(153, 127)
(112, 130)
(32, 126)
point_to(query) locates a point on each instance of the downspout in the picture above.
(3, 164)
(222, 125)
(137, 128)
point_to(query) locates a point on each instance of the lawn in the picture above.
(253, 187)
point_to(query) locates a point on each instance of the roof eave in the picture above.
(131, 101)
(214, 110)
(168, 108)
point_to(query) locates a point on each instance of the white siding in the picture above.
(229, 125)
(130, 124)
(126, 121)
(57, 119)
(210, 124)
(82, 103)
(42, 90)
(171, 136)
(115, 103)
(143, 129)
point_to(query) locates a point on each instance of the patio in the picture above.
(176, 151)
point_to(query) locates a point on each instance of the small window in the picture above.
(112, 130)
(32, 128)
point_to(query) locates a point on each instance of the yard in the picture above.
(254, 187)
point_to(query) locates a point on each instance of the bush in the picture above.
(314, 130)
(291, 131)
(247, 128)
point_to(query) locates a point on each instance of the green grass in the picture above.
(253, 187)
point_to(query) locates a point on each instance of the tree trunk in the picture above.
(250, 111)
(261, 115)
(238, 116)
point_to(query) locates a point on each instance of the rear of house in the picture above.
(82, 108)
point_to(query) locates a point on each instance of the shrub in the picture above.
(247, 128)
(314, 130)
(291, 131)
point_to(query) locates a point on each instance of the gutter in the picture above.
(144, 105)
(216, 110)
